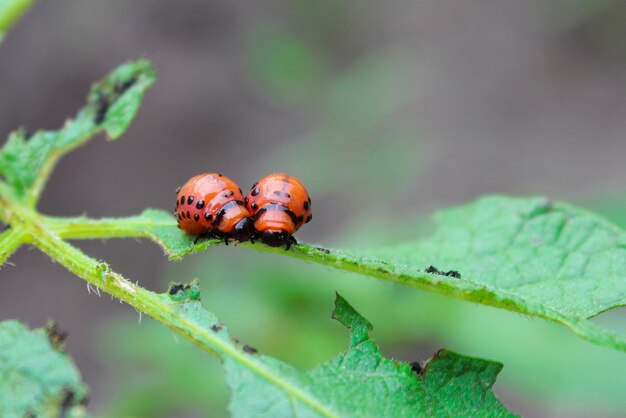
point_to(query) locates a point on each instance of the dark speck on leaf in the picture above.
(55, 335)
(217, 327)
(416, 367)
(249, 350)
(122, 87)
(433, 270)
(102, 106)
(176, 288)
(324, 250)
(68, 400)
(451, 273)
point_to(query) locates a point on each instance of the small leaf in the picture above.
(37, 379)
(359, 382)
(27, 161)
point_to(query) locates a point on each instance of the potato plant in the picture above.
(533, 256)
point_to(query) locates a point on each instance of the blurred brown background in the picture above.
(387, 111)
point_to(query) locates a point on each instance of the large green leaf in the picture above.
(26, 161)
(358, 383)
(532, 255)
(37, 379)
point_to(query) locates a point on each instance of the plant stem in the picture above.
(11, 240)
(160, 308)
(85, 228)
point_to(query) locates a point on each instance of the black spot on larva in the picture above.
(416, 367)
(208, 216)
(276, 192)
(300, 219)
(255, 192)
(200, 204)
(220, 175)
(217, 327)
(306, 205)
(288, 195)
(196, 217)
(188, 215)
(177, 203)
(276, 206)
(250, 350)
(259, 213)
(180, 216)
(219, 216)
(308, 218)
(176, 288)
(178, 189)
(182, 200)
(190, 200)
(254, 206)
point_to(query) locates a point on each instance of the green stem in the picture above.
(160, 308)
(11, 240)
(85, 228)
(26, 223)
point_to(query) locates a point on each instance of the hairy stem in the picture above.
(85, 228)
(160, 308)
(11, 240)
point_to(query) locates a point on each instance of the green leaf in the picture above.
(358, 382)
(10, 12)
(528, 255)
(37, 379)
(27, 161)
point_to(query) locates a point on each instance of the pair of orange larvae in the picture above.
(213, 205)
